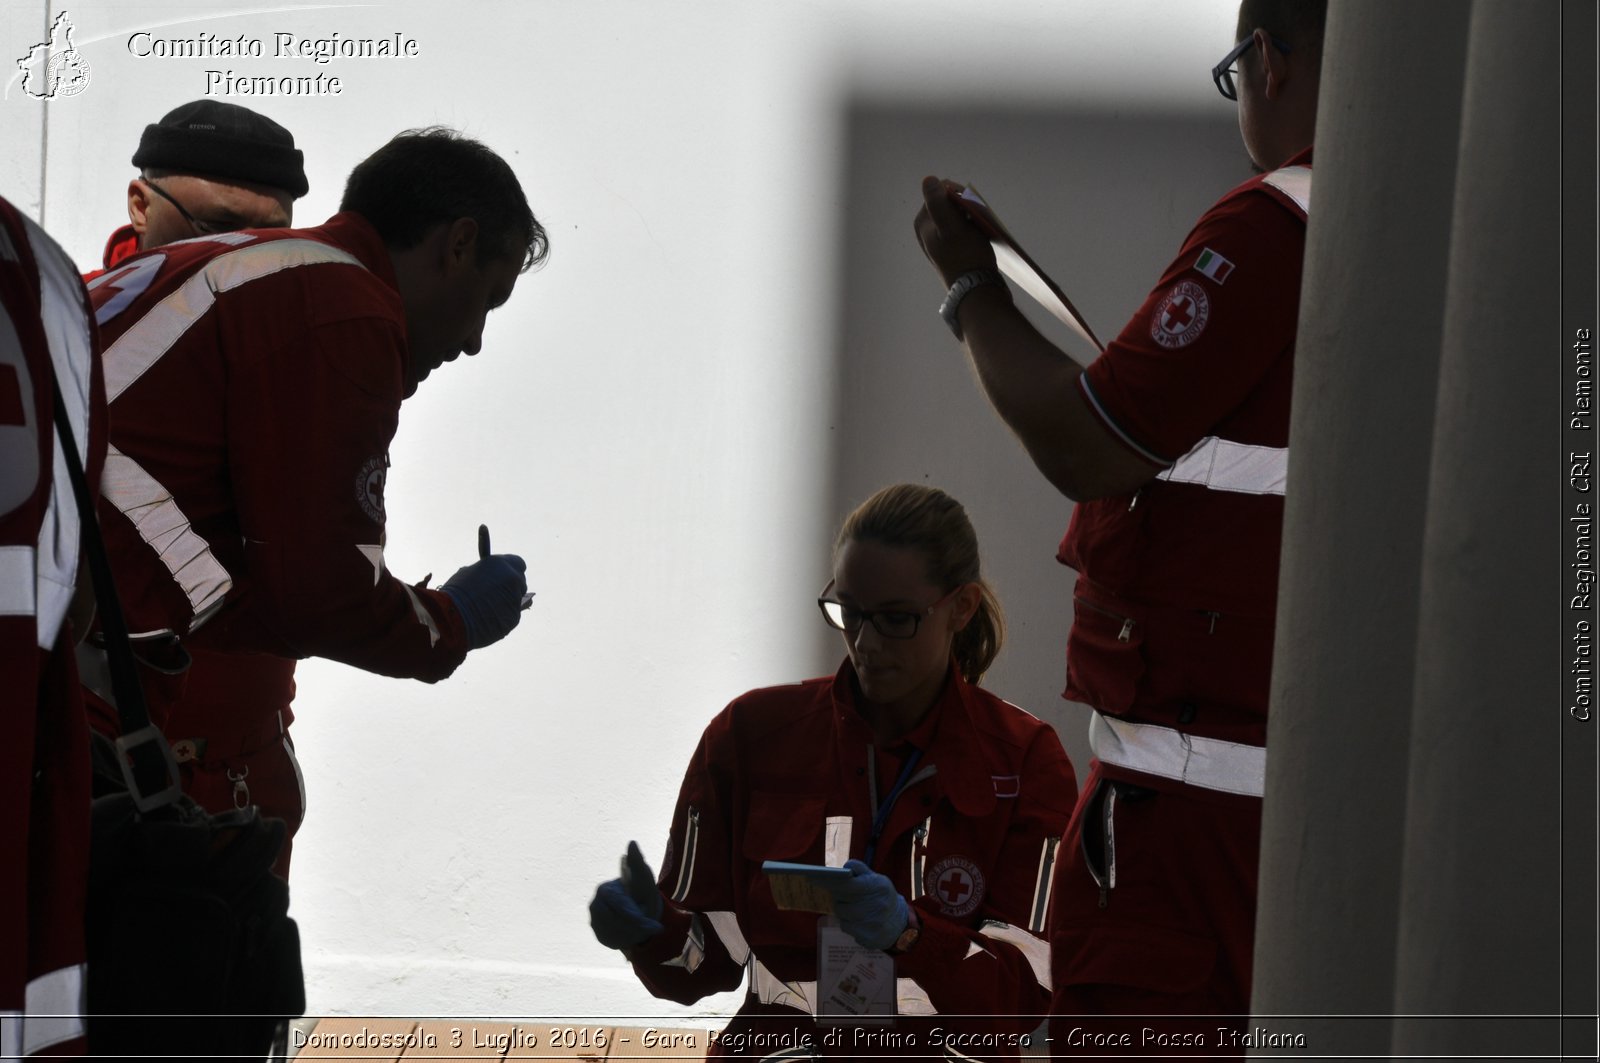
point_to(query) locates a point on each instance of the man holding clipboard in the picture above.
(1174, 442)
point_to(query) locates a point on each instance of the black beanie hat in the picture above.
(213, 139)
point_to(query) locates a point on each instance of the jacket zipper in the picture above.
(1127, 621)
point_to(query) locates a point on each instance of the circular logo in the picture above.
(67, 74)
(369, 487)
(1181, 315)
(956, 883)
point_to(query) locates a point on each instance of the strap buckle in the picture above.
(147, 747)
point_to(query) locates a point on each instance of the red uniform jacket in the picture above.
(254, 382)
(45, 333)
(784, 774)
(1178, 582)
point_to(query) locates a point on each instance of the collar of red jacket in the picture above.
(124, 243)
(946, 736)
(356, 235)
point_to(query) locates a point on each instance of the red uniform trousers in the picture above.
(1174, 934)
(230, 733)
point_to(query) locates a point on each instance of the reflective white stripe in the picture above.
(912, 998)
(836, 840)
(770, 989)
(1209, 763)
(693, 953)
(726, 924)
(373, 552)
(1034, 949)
(165, 323)
(52, 1012)
(1222, 465)
(288, 751)
(691, 843)
(18, 592)
(424, 617)
(1294, 182)
(66, 330)
(162, 525)
(919, 857)
(1041, 884)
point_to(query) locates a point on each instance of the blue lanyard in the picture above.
(882, 816)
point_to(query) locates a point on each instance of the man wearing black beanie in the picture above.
(208, 167)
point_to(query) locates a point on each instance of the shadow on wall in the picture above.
(1102, 200)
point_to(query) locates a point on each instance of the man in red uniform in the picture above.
(207, 167)
(211, 167)
(45, 337)
(1175, 444)
(255, 381)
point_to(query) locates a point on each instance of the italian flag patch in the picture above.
(1213, 265)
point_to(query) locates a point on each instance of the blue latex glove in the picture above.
(626, 911)
(868, 906)
(489, 593)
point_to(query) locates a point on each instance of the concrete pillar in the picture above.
(1478, 919)
(1366, 366)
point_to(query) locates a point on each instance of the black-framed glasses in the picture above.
(201, 228)
(890, 623)
(1222, 73)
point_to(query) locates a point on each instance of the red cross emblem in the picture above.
(1179, 313)
(955, 886)
(1181, 316)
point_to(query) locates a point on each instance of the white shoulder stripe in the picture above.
(1294, 182)
(165, 323)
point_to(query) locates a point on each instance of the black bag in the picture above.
(191, 948)
(191, 951)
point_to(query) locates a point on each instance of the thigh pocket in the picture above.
(1105, 657)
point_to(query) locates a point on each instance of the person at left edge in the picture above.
(210, 167)
(944, 802)
(46, 335)
(255, 381)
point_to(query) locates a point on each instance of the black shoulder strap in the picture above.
(146, 760)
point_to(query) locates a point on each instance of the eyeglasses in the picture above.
(890, 623)
(1222, 73)
(202, 228)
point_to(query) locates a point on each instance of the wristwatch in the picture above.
(961, 289)
(908, 937)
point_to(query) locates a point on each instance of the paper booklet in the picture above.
(1022, 271)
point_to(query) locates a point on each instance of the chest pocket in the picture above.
(784, 827)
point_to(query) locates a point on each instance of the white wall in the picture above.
(647, 424)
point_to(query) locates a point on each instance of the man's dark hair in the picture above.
(425, 177)
(1297, 22)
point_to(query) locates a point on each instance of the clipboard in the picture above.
(1020, 268)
